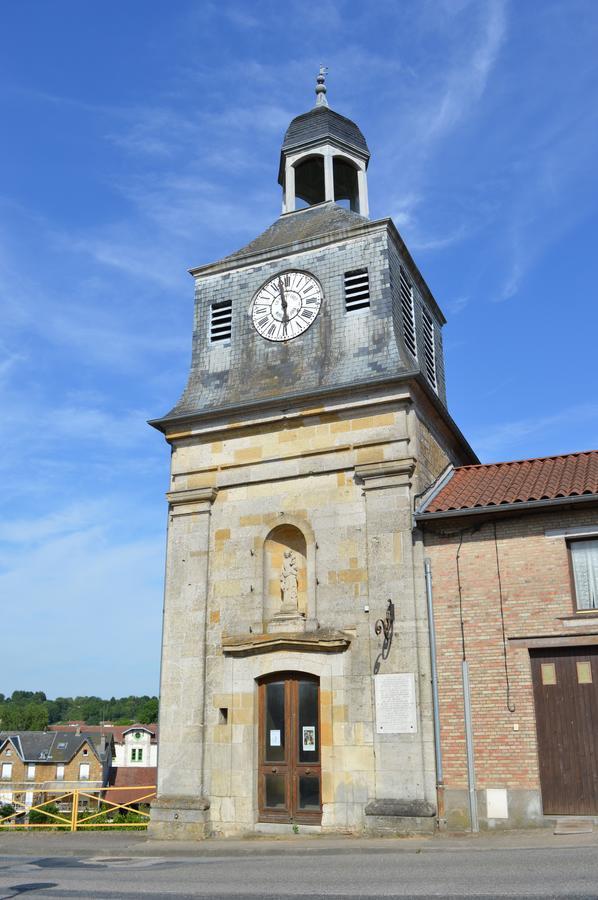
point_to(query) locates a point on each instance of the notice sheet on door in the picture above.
(309, 737)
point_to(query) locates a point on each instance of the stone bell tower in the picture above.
(314, 412)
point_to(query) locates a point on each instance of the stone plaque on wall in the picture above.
(396, 710)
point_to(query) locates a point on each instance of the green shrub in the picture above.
(117, 818)
(7, 809)
(41, 817)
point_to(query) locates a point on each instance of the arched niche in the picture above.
(346, 186)
(309, 180)
(271, 546)
(285, 541)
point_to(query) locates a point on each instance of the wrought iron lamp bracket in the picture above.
(386, 627)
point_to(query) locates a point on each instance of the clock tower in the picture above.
(295, 682)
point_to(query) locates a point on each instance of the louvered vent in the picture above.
(357, 290)
(408, 312)
(429, 349)
(220, 321)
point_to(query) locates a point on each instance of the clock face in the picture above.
(286, 306)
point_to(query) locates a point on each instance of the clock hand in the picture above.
(285, 315)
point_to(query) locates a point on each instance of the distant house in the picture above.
(134, 745)
(136, 784)
(35, 762)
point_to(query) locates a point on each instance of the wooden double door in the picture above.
(289, 777)
(565, 683)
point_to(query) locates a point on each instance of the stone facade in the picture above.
(316, 448)
(344, 475)
(539, 611)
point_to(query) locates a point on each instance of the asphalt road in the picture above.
(282, 871)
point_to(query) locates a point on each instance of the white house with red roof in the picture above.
(134, 745)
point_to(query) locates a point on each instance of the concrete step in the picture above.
(574, 825)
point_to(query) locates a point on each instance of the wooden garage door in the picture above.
(566, 697)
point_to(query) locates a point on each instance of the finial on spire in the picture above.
(321, 87)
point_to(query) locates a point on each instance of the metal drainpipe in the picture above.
(435, 704)
(473, 803)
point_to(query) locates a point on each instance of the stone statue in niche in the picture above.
(289, 581)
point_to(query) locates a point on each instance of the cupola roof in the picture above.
(321, 124)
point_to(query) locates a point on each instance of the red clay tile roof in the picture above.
(520, 481)
(137, 778)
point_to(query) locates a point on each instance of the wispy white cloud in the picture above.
(494, 442)
(439, 243)
(465, 81)
(68, 520)
(457, 305)
(552, 195)
(435, 103)
(72, 584)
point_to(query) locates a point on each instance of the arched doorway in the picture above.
(289, 778)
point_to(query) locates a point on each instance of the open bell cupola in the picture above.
(324, 158)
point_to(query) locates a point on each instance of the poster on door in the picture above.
(309, 737)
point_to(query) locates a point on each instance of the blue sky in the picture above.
(142, 138)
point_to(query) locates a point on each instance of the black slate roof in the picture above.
(302, 225)
(52, 746)
(321, 123)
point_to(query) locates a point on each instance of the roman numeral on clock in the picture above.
(286, 305)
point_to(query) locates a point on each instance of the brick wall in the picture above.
(537, 601)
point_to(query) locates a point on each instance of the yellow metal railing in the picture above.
(78, 817)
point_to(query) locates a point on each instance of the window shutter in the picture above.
(408, 312)
(221, 321)
(357, 290)
(429, 348)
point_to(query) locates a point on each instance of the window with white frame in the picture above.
(357, 290)
(83, 771)
(6, 771)
(407, 311)
(59, 773)
(429, 348)
(31, 770)
(221, 315)
(584, 563)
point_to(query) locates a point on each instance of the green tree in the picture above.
(22, 696)
(29, 716)
(35, 717)
(148, 711)
(32, 711)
